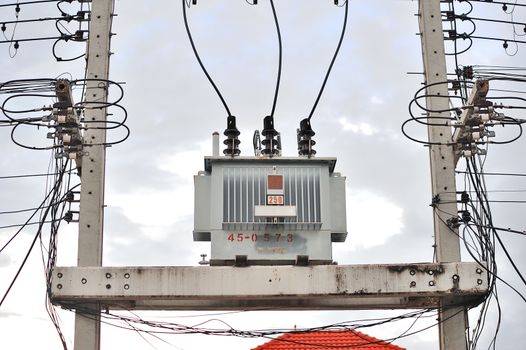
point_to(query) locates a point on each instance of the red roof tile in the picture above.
(323, 340)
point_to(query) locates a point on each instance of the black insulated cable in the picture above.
(54, 192)
(30, 2)
(342, 35)
(194, 49)
(499, 3)
(280, 59)
(8, 177)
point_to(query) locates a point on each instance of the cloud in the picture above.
(371, 219)
(161, 244)
(5, 260)
(155, 208)
(167, 205)
(186, 163)
(357, 128)
(376, 100)
(9, 314)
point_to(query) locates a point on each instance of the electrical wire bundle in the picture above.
(156, 329)
(488, 113)
(481, 239)
(64, 117)
(71, 27)
(51, 212)
(52, 108)
(67, 121)
(499, 101)
(518, 28)
(475, 221)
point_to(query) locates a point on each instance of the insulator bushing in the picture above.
(231, 142)
(305, 141)
(271, 146)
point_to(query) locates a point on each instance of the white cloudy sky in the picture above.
(173, 112)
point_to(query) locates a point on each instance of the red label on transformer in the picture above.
(275, 182)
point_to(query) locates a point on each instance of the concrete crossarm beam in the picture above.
(274, 287)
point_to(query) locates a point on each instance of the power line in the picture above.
(203, 68)
(494, 173)
(278, 79)
(29, 2)
(340, 41)
(9, 177)
(54, 193)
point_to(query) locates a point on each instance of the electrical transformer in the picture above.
(269, 210)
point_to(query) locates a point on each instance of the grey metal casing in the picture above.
(228, 191)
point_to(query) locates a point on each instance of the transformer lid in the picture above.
(330, 161)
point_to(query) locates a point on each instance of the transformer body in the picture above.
(266, 211)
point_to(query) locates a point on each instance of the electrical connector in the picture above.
(453, 223)
(464, 197)
(466, 216)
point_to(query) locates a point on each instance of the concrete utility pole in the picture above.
(453, 321)
(87, 330)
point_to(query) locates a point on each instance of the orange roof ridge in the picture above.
(327, 339)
